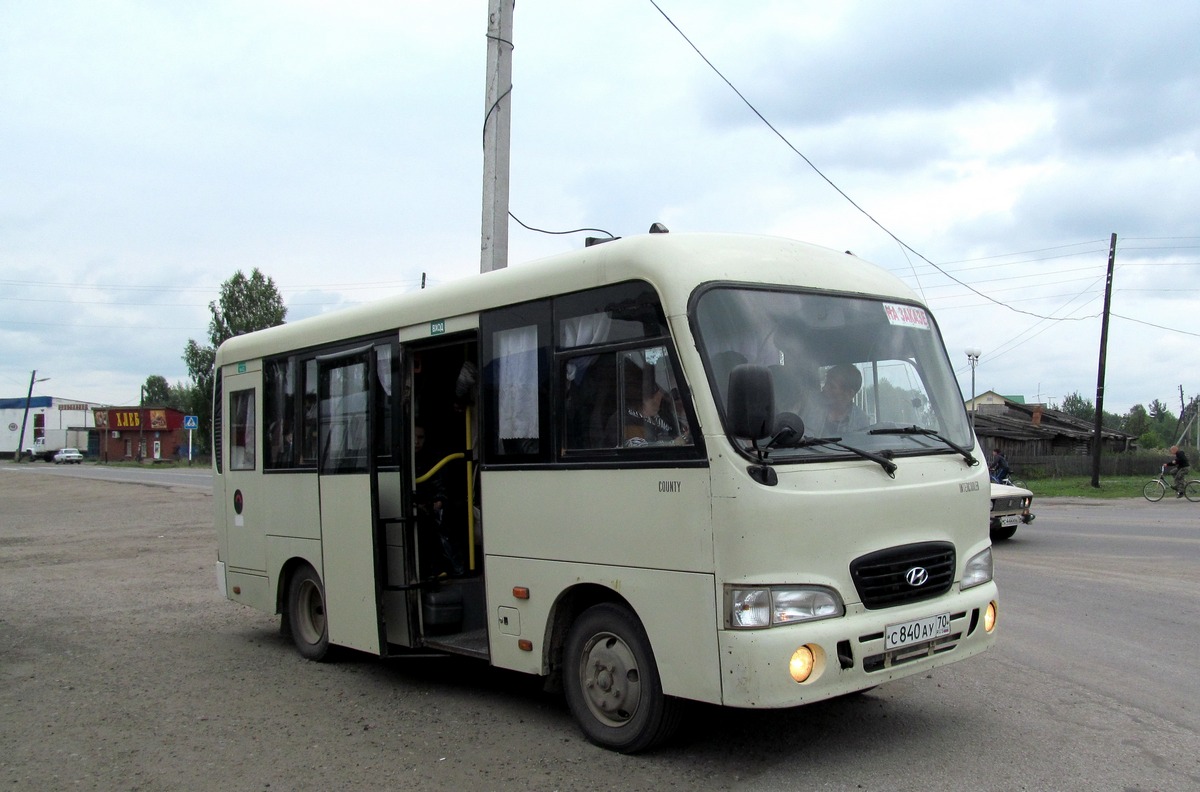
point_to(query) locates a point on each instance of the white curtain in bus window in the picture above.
(383, 372)
(241, 430)
(580, 331)
(517, 383)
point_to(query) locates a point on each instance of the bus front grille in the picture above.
(899, 575)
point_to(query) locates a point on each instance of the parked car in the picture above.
(68, 456)
(1010, 508)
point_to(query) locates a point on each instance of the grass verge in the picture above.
(1081, 487)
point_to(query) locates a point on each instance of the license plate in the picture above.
(1010, 519)
(916, 631)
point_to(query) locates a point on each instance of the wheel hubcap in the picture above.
(609, 677)
(312, 613)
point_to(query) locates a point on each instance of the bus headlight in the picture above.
(772, 606)
(978, 570)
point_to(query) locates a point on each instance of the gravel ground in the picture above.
(121, 667)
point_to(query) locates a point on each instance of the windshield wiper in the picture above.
(920, 430)
(888, 465)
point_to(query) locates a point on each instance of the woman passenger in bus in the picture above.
(652, 415)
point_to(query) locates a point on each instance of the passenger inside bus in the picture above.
(835, 412)
(650, 414)
(438, 515)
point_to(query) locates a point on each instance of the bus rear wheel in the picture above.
(306, 614)
(612, 683)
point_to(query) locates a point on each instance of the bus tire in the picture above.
(306, 614)
(612, 683)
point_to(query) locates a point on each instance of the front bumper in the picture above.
(850, 653)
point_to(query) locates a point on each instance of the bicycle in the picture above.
(1155, 489)
(1010, 481)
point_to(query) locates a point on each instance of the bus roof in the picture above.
(675, 264)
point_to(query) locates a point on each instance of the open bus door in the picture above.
(447, 553)
(350, 527)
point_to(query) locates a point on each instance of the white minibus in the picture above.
(667, 468)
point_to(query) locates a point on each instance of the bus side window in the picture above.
(516, 372)
(279, 385)
(515, 383)
(241, 430)
(308, 416)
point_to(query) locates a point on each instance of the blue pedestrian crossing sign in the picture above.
(191, 422)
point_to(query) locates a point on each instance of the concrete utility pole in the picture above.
(494, 241)
(973, 357)
(25, 418)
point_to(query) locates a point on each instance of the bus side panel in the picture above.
(657, 518)
(677, 610)
(295, 505)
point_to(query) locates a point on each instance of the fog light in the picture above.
(801, 666)
(989, 617)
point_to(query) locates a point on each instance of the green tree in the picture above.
(156, 391)
(1160, 412)
(1136, 421)
(245, 304)
(1077, 406)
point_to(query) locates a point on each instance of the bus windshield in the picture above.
(871, 372)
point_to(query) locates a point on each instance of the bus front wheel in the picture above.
(612, 683)
(306, 614)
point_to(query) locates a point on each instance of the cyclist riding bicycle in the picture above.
(1179, 462)
(999, 466)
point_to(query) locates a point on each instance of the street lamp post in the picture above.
(973, 356)
(25, 418)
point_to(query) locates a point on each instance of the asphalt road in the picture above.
(121, 668)
(199, 477)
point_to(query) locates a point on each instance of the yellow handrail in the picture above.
(470, 497)
(470, 489)
(439, 466)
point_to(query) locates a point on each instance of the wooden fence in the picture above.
(1133, 463)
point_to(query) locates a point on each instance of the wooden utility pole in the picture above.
(1097, 442)
(494, 240)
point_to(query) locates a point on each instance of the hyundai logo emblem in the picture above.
(916, 577)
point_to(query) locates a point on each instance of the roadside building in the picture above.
(50, 422)
(141, 433)
(1029, 431)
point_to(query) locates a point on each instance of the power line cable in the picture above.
(838, 189)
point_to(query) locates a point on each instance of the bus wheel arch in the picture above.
(304, 613)
(566, 609)
(611, 680)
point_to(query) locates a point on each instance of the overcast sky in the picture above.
(148, 150)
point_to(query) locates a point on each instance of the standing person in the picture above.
(1179, 462)
(999, 466)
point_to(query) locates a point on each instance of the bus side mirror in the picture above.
(751, 402)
